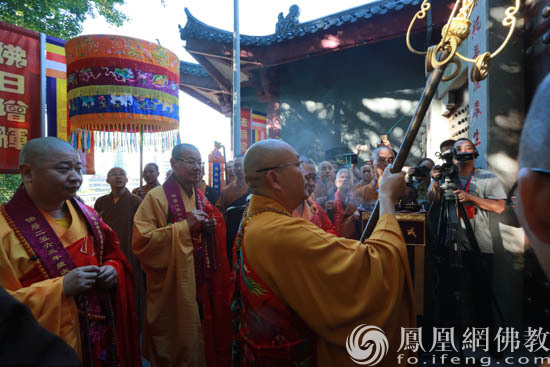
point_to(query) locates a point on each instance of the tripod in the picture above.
(451, 238)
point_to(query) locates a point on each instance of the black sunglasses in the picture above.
(510, 198)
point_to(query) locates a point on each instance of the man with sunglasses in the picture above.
(301, 291)
(481, 194)
(179, 238)
(309, 209)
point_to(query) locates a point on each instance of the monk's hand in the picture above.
(80, 280)
(392, 185)
(195, 219)
(209, 226)
(107, 277)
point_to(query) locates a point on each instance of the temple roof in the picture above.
(261, 56)
(195, 81)
(198, 30)
(192, 69)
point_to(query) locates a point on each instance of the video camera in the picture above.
(448, 168)
(421, 172)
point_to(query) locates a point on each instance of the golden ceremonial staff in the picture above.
(438, 57)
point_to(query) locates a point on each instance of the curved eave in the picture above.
(192, 69)
(195, 29)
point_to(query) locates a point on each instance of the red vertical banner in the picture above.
(19, 92)
(253, 127)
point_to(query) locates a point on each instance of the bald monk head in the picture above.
(116, 178)
(272, 169)
(50, 168)
(533, 190)
(151, 173)
(186, 165)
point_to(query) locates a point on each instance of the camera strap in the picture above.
(470, 209)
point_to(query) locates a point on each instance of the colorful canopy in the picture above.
(121, 84)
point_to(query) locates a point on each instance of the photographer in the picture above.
(419, 180)
(480, 192)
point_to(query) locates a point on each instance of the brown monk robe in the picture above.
(233, 196)
(230, 173)
(238, 189)
(117, 209)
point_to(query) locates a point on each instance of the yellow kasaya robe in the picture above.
(53, 310)
(334, 284)
(173, 334)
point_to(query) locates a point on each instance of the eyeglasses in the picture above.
(388, 160)
(190, 162)
(511, 197)
(295, 164)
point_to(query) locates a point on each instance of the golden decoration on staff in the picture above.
(457, 30)
(438, 57)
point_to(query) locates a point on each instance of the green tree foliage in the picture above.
(59, 18)
(8, 185)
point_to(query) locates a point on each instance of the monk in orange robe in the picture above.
(179, 239)
(309, 209)
(365, 175)
(236, 192)
(299, 291)
(381, 158)
(60, 259)
(150, 176)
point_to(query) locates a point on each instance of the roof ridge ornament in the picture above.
(290, 21)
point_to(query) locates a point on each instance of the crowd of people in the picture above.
(268, 273)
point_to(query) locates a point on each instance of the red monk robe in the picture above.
(26, 273)
(314, 213)
(187, 318)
